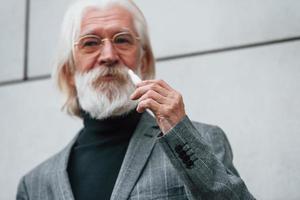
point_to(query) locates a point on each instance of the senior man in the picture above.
(123, 152)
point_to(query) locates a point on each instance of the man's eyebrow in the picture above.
(96, 32)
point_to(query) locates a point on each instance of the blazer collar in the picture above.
(138, 151)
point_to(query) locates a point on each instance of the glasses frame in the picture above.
(106, 39)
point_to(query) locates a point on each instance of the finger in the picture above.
(143, 89)
(159, 82)
(148, 104)
(151, 94)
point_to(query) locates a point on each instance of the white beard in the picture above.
(102, 98)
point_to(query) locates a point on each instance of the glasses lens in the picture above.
(123, 41)
(89, 44)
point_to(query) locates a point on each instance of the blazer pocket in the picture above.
(174, 193)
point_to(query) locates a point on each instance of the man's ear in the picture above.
(69, 75)
(71, 80)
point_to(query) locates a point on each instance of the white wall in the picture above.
(12, 39)
(251, 93)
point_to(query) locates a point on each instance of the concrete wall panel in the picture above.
(178, 27)
(12, 33)
(45, 21)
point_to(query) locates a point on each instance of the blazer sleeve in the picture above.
(203, 158)
(22, 191)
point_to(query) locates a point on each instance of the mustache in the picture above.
(118, 73)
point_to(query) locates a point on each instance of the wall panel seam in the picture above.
(159, 59)
(26, 40)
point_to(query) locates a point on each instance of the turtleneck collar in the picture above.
(108, 129)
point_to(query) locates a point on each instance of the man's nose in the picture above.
(108, 56)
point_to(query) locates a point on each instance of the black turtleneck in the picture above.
(97, 155)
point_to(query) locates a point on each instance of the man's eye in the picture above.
(91, 43)
(123, 40)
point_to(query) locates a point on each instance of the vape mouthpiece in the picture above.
(135, 79)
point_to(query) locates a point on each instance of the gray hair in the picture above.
(64, 68)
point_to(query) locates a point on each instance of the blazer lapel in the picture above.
(139, 149)
(60, 180)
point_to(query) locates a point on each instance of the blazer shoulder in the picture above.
(217, 139)
(210, 132)
(40, 178)
(204, 127)
(48, 166)
(55, 163)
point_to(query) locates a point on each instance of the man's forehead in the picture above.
(112, 17)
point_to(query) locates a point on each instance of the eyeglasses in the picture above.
(122, 42)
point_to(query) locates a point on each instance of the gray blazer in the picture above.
(192, 161)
